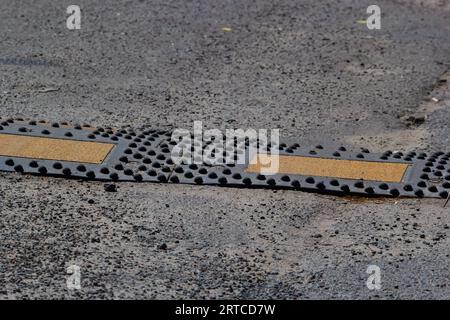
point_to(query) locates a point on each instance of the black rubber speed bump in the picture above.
(144, 155)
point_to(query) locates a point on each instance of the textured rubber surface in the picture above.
(145, 155)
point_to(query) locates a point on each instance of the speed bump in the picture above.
(144, 155)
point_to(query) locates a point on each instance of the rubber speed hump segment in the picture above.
(145, 155)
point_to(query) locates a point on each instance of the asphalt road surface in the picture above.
(310, 68)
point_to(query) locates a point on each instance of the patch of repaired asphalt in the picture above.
(304, 67)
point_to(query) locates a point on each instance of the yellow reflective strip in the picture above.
(335, 168)
(53, 149)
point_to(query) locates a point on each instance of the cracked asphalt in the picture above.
(305, 67)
